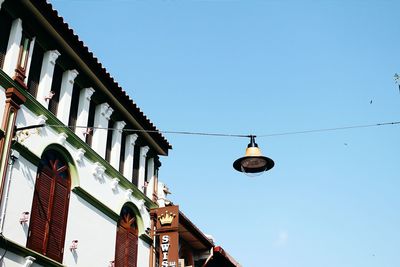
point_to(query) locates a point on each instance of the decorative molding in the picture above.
(53, 55)
(79, 155)
(41, 119)
(114, 183)
(23, 135)
(119, 125)
(88, 92)
(144, 150)
(62, 137)
(29, 261)
(108, 114)
(131, 139)
(98, 171)
(128, 193)
(106, 110)
(72, 74)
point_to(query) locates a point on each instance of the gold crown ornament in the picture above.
(166, 218)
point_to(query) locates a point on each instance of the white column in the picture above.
(150, 178)
(64, 103)
(13, 47)
(46, 76)
(83, 111)
(129, 154)
(1, 2)
(28, 64)
(115, 155)
(101, 117)
(142, 166)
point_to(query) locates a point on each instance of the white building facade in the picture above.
(79, 160)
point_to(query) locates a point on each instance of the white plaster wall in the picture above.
(143, 254)
(95, 233)
(20, 200)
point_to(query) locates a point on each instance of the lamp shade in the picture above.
(253, 162)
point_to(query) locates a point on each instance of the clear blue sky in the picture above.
(263, 67)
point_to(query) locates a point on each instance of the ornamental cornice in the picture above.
(71, 75)
(119, 125)
(53, 55)
(88, 92)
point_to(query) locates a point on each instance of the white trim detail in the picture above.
(29, 261)
(62, 137)
(114, 184)
(79, 155)
(128, 194)
(98, 171)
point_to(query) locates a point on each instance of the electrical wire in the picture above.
(219, 134)
(331, 129)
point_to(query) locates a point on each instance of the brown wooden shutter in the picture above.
(50, 207)
(55, 244)
(120, 247)
(127, 241)
(132, 250)
(38, 226)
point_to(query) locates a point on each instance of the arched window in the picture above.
(50, 207)
(127, 239)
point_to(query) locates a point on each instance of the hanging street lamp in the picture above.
(253, 163)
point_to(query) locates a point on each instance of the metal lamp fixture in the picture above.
(253, 162)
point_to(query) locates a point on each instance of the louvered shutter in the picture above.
(56, 237)
(132, 250)
(120, 247)
(38, 225)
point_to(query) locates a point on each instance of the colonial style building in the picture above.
(79, 160)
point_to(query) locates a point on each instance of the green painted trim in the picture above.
(9, 245)
(95, 203)
(146, 238)
(33, 105)
(26, 153)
